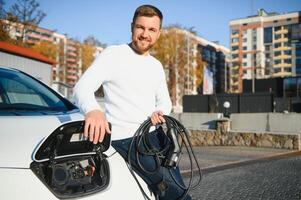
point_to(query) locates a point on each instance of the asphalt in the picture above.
(215, 158)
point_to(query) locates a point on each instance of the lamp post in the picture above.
(226, 106)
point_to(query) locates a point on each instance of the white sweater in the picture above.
(134, 87)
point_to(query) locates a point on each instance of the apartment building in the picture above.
(264, 45)
(67, 68)
(182, 76)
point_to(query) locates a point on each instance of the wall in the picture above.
(39, 70)
(282, 123)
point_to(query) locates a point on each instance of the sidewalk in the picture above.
(213, 158)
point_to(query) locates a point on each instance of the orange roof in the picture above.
(25, 52)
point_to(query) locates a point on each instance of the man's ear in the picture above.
(160, 31)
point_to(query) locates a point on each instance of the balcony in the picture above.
(234, 43)
(282, 48)
(235, 35)
(282, 39)
(281, 31)
(282, 56)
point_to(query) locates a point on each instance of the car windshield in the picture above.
(22, 93)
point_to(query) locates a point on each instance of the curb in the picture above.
(228, 165)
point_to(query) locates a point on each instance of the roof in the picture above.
(24, 52)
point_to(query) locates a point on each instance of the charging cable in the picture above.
(169, 156)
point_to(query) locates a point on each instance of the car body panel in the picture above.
(24, 131)
(22, 135)
(23, 184)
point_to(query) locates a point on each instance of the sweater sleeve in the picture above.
(163, 102)
(90, 81)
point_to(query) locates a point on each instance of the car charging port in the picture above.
(72, 167)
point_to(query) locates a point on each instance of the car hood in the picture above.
(21, 136)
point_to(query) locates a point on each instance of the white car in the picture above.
(43, 154)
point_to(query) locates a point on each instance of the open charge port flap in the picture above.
(70, 166)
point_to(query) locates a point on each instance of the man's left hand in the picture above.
(157, 118)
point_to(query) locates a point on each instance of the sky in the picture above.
(109, 20)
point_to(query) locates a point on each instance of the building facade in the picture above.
(265, 45)
(68, 62)
(194, 58)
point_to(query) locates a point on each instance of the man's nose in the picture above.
(145, 33)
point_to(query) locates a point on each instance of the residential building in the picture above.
(195, 53)
(68, 67)
(263, 46)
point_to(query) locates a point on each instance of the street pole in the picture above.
(188, 62)
(253, 79)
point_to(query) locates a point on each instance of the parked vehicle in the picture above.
(43, 154)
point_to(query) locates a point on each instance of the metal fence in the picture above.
(241, 103)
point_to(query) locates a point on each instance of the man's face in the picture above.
(145, 33)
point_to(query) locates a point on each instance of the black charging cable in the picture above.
(169, 156)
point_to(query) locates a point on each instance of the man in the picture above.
(134, 89)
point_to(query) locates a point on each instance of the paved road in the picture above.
(278, 179)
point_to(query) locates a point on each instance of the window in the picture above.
(287, 69)
(277, 53)
(234, 48)
(277, 28)
(278, 36)
(268, 35)
(267, 47)
(254, 47)
(244, 64)
(289, 19)
(277, 45)
(245, 40)
(275, 21)
(245, 56)
(234, 40)
(277, 70)
(286, 44)
(290, 87)
(287, 52)
(234, 56)
(296, 33)
(234, 32)
(298, 52)
(244, 48)
(288, 61)
(298, 66)
(267, 55)
(276, 62)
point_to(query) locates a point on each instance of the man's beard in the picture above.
(141, 48)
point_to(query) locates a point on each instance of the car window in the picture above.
(20, 92)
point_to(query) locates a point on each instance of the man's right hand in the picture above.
(96, 126)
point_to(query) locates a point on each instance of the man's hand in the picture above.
(96, 126)
(157, 118)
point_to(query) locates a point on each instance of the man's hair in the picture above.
(148, 11)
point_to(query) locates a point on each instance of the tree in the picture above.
(171, 50)
(4, 35)
(91, 40)
(87, 52)
(48, 49)
(2, 10)
(27, 13)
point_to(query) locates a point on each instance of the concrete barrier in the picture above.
(282, 123)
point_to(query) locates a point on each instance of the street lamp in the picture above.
(226, 106)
